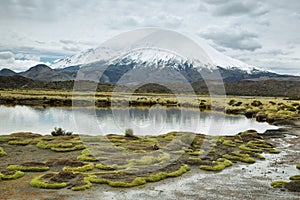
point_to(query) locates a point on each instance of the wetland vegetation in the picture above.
(77, 162)
(269, 109)
(124, 161)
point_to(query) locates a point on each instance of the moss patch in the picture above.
(40, 182)
(58, 180)
(83, 185)
(218, 165)
(237, 156)
(105, 167)
(295, 178)
(11, 175)
(132, 161)
(2, 152)
(247, 148)
(84, 168)
(278, 184)
(61, 143)
(29, 167)
(142, 180)
(20, 142)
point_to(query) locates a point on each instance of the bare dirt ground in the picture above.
(242, 181)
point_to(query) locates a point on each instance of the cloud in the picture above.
(18, 62)
(6, 55)
(68, 42)
(53, 29)
(241, 8)
(237, 8)
(216, 2)
(233, 38)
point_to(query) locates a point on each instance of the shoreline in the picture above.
(262, 109)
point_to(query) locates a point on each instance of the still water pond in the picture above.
(152, 121)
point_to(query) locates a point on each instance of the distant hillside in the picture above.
(7, 72)
(270, 87)
(19, 82)
(45, 73)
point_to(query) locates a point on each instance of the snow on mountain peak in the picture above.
(157, 56)
(77, 59)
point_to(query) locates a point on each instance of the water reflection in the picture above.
(152, 121)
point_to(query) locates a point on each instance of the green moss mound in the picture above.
(2, 152)
(279, 184)
(20, 142)
(60, 144)
(40, 183)
(295, 178)
(29, 167)
(141, 180)
(58, 180)
(86, 184)
(84, 168)
(11, 175)
(105, 167)
(218, 165)
(247, 148)
(87, 156)
(229, 143)
(237, 156)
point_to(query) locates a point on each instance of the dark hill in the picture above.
(7, 72)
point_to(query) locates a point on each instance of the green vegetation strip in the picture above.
(218, 165)
(87, 184)
(67, 146)
(2, 152)
(16, 175)
(20, 142)
(278, 184)
(84, 168)
(237, 156)
(39, 183)
(142, 180)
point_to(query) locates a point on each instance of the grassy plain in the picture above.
(268, 109)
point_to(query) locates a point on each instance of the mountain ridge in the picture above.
(145, 65)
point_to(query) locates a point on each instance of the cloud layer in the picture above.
(40, 31)
(233, 38)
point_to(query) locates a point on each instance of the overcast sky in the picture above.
(261, 33)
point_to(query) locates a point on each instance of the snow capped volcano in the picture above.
(158, 57)
(149, 56)
(153, 55)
